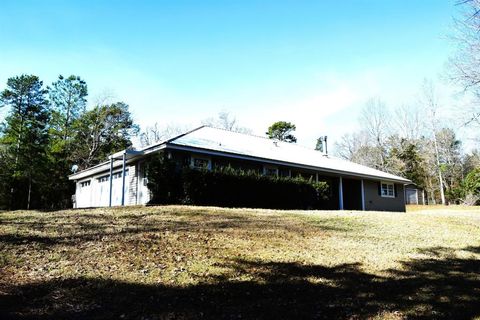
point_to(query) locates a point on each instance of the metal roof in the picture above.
(218, 141)
(233, 143)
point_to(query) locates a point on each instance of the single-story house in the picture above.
(121, 180)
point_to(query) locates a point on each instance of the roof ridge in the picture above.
(244, 133)
(262, 137)
(167, 140)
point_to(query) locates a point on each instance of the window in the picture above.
(115, 175)
(200, 163)
(84, 184)
(103, 179)
(387, 190)
(284, 172)
(270, 170)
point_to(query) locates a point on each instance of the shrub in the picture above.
(227, 187)
(164, 180)
(472, 186)
(472, 181)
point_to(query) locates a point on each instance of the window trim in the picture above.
(115, 175)
(85, 183)
(270, 167)
(382, 183)
(195, 157)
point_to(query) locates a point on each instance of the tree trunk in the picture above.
(29, 192)
(440, 178)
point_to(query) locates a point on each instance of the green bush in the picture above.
(164, 180)
(227, 187)
(472, 187)
(472, 181)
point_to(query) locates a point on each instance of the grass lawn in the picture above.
(179, 262)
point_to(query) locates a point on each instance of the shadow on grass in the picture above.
(440, 288)
(68, 229)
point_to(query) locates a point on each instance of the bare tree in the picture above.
(464, 66)
(449, 149)
(156, 133)
(104, 97)
(349, 145)
(430, 102)
(375, 118)
(408, 121)
(226, 121)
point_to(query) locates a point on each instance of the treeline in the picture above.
(48, 133)
(416, 143)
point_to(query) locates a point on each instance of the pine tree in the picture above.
(68, 102)
(24, 141)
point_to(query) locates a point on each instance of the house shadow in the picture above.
(440, 287)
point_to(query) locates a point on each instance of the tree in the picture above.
(408, 122)
(429, 100)
(375, 118)
(226, 121)
(283, 131)
(68, 102)
(464, 65)
(68, 99)
(471, 161)
(349, 145)
(156, 133)
(412, 164)
(320, 143)
(102, 131)
(25, 139)
(472, 181)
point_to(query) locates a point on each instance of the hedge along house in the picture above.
(121, 180)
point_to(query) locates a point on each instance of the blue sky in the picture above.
(314, 63)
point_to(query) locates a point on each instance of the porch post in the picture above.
(110, 178)
(363, 195)
(316, 177)
(123, 178)
(340, 194)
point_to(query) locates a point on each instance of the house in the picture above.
(121, 180)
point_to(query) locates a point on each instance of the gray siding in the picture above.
(132, 185)
(375, 202)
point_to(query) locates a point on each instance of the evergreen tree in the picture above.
(413, 165)
(68, 101)
(24, 141)
(283, 131)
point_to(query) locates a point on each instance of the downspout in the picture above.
(362, 189)
(110, 190)
(340, 194)
(123, 178)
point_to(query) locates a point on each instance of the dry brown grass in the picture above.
(194, 262)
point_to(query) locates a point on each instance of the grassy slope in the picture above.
(190, 262)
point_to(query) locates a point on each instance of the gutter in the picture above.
(169, 145)
(279, 162)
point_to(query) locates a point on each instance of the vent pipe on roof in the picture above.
(325, 147)
(322, 145)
